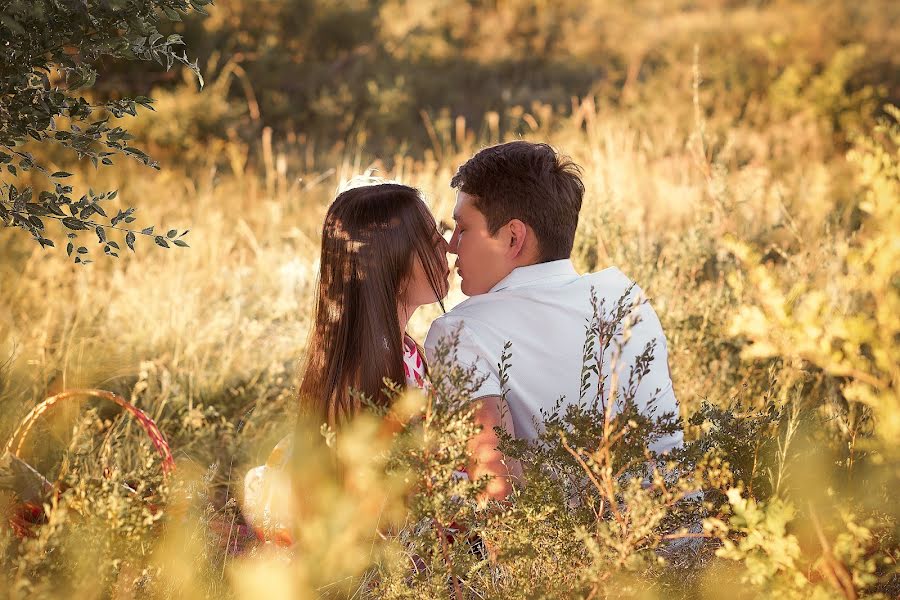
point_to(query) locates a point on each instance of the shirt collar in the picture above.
(540, 272)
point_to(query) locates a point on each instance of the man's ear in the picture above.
(518, 237)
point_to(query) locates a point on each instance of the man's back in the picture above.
(545, 310)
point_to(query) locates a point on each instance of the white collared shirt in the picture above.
(544, 311)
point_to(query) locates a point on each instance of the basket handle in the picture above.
(17, 441)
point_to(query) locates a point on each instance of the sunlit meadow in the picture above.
(769, 251)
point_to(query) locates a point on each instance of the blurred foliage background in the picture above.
(390, 72)
(741, 163)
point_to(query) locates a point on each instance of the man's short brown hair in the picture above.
(530, 182)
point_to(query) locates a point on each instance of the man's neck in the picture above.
(530, 255)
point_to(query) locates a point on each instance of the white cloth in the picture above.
(544, 311)
(268, 503)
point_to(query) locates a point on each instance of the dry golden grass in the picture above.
(206, 339)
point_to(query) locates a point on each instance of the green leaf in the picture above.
(161, 241)
(73, 223)
(37, 209)
(171, 233)
(61, 174)
(75, 82)
(11, 24)
(101, 235)
(129, 240)
(198, 6)
(181, 243)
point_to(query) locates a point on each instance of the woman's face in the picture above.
(418, 289)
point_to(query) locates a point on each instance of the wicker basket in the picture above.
(31, 487)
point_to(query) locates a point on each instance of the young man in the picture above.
(516, 213)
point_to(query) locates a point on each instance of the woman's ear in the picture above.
(403, 288)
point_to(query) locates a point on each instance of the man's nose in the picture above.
(453, 244)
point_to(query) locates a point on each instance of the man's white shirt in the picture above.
(544, 311)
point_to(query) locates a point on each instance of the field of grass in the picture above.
(770, 256)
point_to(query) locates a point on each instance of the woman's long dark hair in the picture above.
(370, 239)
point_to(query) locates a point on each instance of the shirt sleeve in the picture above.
(467, 353)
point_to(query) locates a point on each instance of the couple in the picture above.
(383, 257)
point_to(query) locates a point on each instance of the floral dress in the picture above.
(268, 499)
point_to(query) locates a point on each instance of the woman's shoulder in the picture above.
(281, 453)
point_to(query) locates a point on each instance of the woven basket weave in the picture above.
(30, 513)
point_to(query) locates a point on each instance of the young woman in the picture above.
(382, 258)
